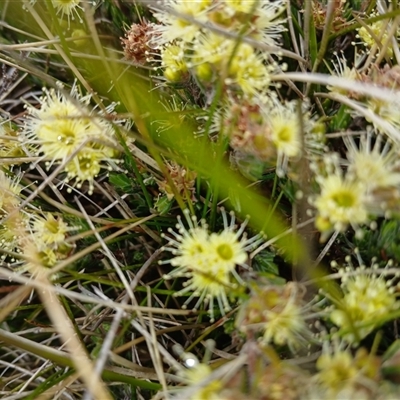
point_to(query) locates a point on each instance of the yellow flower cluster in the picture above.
(209, 260)
(188, 46)
(65, 129)
(39, 240)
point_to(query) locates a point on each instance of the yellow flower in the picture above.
(208, 285)
(37, 257)
(342, 70)
(285, 134)
(248, 71)
(336, 369)
(50, 230)
(389, 111)
(367, 301)
(60, 138)
(267, 27)
(284, 129)
(189, 246)
(226, 250)
(211, 48)
(341, 202)
(374, 166)
(283, 324)
(261, 17)
(173, 61)
(63, 123)
(85, 167)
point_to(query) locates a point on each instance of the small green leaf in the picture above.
(341, 120)
(120, 182)
(264, 262)
(163, 205)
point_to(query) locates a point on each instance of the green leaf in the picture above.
(163, 205)
(341, 120)
(264, 262)
(120, 182)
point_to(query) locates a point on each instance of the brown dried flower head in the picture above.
(138, 43)
(319, 13)
(183, 180)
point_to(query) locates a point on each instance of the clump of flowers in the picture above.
(368, 299)
(278, 313)
(188, 48)
(66, 130)
(209, 260)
